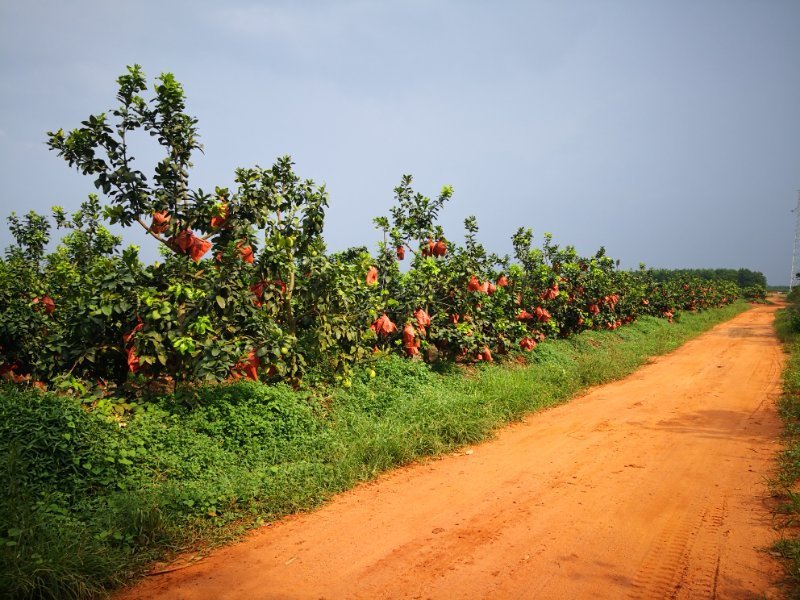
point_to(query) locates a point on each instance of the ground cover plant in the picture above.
(787, 324)
(250, 372)
(90, 500)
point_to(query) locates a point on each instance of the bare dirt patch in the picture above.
(650, 487)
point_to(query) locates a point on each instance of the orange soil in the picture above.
(649, 487)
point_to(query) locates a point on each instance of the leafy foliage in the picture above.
(246, 288)
(88, 499)
(755, 293)
(742, 277)
(784, 481)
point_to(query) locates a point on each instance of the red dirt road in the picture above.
(650, 487)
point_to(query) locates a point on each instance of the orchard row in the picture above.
(247, 289)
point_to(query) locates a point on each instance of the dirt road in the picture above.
(650, 487)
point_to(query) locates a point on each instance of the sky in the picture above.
(668, 132)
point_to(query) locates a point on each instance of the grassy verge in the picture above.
(787, 324)
(86, 503)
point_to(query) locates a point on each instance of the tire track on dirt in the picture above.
(670, 569)
(650, 487)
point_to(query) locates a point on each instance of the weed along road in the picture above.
(650, 487)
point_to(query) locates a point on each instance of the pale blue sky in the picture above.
(667, 131)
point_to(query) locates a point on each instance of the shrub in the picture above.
(246, 289)
(755, 293)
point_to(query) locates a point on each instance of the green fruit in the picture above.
(313, 253)
(347, 383)
(284, 350)
(372, 373)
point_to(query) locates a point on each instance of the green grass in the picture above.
(87, 503)
(787, 325)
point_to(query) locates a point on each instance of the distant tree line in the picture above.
(742, 277)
